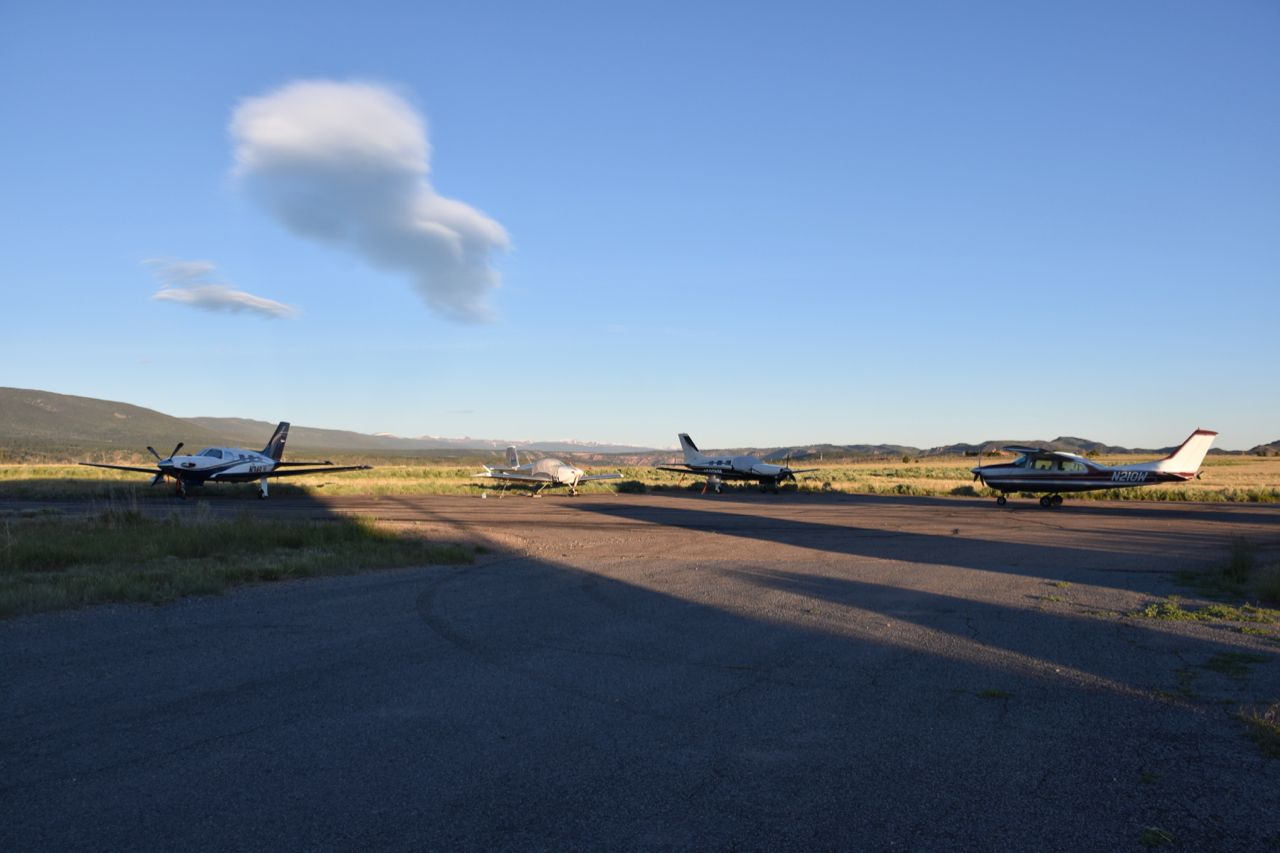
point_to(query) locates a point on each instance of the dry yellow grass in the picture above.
(1224, 478)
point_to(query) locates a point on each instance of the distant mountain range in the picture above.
(46, 419)
(61, 425)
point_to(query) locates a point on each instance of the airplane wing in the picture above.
(293, 472)
(152, 470)
(1041, 452)
(519, 478)
(679, 469)
(590, 477)
(800, 470)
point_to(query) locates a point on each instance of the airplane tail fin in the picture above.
(1187, 458)
(275, 447)
(513, 458)
(691, 452)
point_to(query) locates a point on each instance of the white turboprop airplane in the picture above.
(1037, 470)
(717, 469)
(541, 474)
(231, 465)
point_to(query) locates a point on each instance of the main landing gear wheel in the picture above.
(1001, 500)
(262, 496)
(1051, 501)
(1057, 500)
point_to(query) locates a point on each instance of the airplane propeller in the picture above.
(160, 474)
(176, 448)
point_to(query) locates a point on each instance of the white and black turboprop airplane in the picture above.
(717, 469)
(541, 474)
(231, 465)
(1052, 472)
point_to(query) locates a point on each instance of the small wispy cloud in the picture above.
(178, 273)
(347, 164)
(188, 283)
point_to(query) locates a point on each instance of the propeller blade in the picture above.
(157, 478)
(176, 448)
(977, 475)
(153, 451)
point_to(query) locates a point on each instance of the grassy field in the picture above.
(50, 562)
(1245, 479)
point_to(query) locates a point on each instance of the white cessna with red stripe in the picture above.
(1051, 472)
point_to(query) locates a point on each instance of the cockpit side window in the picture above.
(1045, 464)
(1074, 467)
(1022, 461)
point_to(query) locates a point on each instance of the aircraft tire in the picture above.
(1001, 500)
(1046, 502)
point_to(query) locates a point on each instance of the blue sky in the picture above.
(762, 224)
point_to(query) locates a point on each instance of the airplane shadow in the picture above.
(1049, 561)
(1122, 509)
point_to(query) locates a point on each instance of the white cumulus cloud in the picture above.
(348, 164)
(188, 283)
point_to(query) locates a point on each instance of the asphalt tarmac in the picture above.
(642, 671)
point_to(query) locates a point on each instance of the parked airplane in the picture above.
(231, 465)
(717, 469)
(1038, 470)
(541, 474)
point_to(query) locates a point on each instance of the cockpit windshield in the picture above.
(212, 452)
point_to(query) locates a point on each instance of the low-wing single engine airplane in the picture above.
(717, 469)
(541, 474)
(1037, 470)
(231, 465)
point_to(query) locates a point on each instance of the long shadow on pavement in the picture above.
(524, 703)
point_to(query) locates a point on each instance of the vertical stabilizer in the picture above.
(275, 447)
(513, 458)
(1187, 458)
(692, 455)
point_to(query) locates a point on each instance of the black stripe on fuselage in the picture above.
(1081, 483)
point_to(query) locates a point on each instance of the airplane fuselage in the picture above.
(1072, 476)
(219, 464)
(739, 468)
